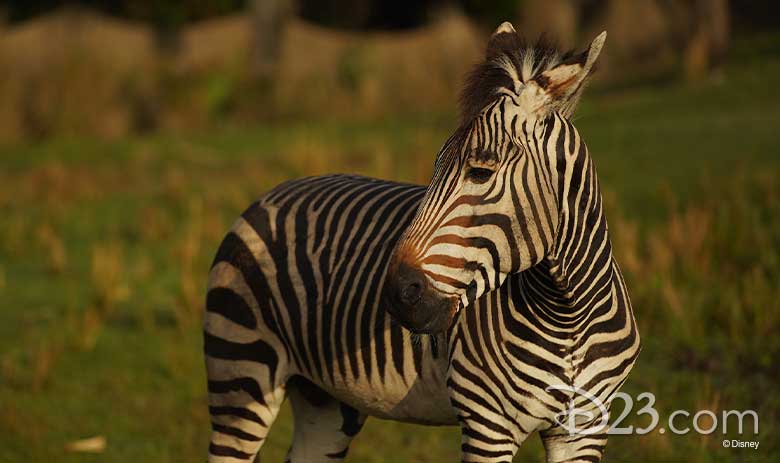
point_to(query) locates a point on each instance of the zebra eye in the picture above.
(478, 174)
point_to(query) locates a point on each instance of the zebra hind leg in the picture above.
(246, 369)
(240, 425)
(324, 427)
(241, 416)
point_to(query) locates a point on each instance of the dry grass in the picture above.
(190, 303)
(109, 287)
(76, 72)
(710, 265)
(108, 273)
(52, 247)
(373, 74)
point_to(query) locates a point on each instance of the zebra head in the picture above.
(492, 206)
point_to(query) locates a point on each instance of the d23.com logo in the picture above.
(593, 416)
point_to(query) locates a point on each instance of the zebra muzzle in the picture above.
(411, 301)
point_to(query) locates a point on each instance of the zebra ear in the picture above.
(505, 28)
(563, 84)
(504, 37)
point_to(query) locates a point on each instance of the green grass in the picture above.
(105, 247)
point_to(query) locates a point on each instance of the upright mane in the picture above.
(510, 59)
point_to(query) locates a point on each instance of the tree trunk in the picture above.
(268, 20)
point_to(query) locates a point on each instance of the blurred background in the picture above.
(132, 133)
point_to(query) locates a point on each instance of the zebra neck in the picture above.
(579, 269)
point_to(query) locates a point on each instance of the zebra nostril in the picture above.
(411, 294)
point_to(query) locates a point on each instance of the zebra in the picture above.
(488, 299)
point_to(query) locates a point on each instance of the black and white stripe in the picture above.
(504, 259)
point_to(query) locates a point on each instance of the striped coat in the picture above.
(521, 313)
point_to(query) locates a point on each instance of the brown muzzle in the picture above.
(411, 301)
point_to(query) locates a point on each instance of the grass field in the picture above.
(105, 247)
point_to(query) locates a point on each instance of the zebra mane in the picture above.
(509, 58)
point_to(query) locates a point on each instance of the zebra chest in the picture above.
(505, 362)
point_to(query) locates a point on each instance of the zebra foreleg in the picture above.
(581, 447)
(324, 427)
(487, 441)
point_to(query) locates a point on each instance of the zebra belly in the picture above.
(422, 403)
(414, 396)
